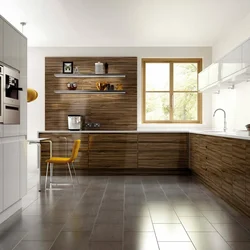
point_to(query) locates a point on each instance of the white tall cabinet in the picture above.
(13, 145)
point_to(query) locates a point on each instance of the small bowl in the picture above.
(72, 86)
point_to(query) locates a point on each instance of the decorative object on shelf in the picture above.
(72, 86)
(118, 86)
(248, 127)
(112, 87)
(99, 68)
(106, 67)
(31, 95)
(101, 85)
(76, 70)
(67, 67)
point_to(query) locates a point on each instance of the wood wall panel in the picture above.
(113, 112)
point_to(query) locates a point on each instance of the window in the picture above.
(170, 91)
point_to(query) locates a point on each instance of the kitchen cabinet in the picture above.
(231, 63)
(22, 167)
(169, 151)
(1, 175)
(203, 79)
(213, 73)
(1, 39)
(112, 150)
(246, 54)
(11, 42)
(11, 183)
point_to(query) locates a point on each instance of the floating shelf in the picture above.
(113, 92)
(90, 75)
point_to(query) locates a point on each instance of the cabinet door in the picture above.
(203, 79)
(213, 73)
(1, 176)
(11, 46)
(23, 167)
(23, 84)
(231, 63)
(1, 39)
(246, 54)
(11, 171)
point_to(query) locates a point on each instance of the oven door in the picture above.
(11, 114)
(11, 87)
(1, 97)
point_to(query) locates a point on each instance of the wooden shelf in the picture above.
(90, 75)
(90, 92)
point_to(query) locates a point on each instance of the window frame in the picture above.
(171, 62)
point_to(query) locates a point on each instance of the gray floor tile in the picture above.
(114, 205)
(239, 245)
(196, 224)
(168, 216)
(107, 232)
(110, 217)
(79, 224)
(34, 245)
(138, 223)
(71, 240)
(208, 241)
(218, 217)
(8, 240)
(170, 232)
(232, 232)
(176, 246)
(140, 241)
(105, 245)
(136, 210)
(186, 210)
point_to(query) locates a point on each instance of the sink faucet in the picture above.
(225, 121)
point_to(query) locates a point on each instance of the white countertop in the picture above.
(241, 134)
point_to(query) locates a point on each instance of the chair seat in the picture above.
(58, 160)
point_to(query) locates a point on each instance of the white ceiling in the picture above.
(124, 22)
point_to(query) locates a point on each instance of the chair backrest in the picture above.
(75, 149)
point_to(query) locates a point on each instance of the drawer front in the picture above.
(165, 138)
(116, 146)
(112, 138)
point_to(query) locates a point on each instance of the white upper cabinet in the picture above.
(11, 46)
(1, 39)
(231, 63)
(246, 54)
(213, 73)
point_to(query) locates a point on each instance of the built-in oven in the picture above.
(10, 97)
(1, 93)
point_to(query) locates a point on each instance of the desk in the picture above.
(38, 142)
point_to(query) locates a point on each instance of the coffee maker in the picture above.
(75, 122)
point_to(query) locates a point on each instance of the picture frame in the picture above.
(67, 67)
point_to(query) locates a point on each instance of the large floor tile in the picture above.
(140, 241)
(196, 224)
(208, 241)
(105, 245)
(176, 246)
(186, 210)
(136, 210)
(232, 232)
(34, 245)
(170, 232)
(218, 217)
(79, 224)
(138, 223)
(107, 232)
(240, 245)
(8, 240)
(110, 217)
(168, 216)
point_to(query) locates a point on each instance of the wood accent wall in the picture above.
(224, 165)
(113, 112)
(128, 153)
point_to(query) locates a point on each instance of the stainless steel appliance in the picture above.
(75, 122)
(1, 93)
(10, 101)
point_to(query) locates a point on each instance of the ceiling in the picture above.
(124, 22)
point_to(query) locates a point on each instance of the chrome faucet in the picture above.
(225, 121)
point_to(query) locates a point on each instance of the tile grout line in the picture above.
(65, 222)
(178, 217)
(150, 214)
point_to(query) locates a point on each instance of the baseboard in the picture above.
(10, 211)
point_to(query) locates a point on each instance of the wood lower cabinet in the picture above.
(168, 151)
(225, 167)
(112, 150)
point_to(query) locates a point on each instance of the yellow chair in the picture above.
(63, 160)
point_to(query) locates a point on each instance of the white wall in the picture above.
(36, 78)
(235, 102)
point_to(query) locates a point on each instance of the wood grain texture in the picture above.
(113, 112)
(228, 167)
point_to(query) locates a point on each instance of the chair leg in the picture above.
(51, 174)
(70, 174)
(75, 172)
(46, 178)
